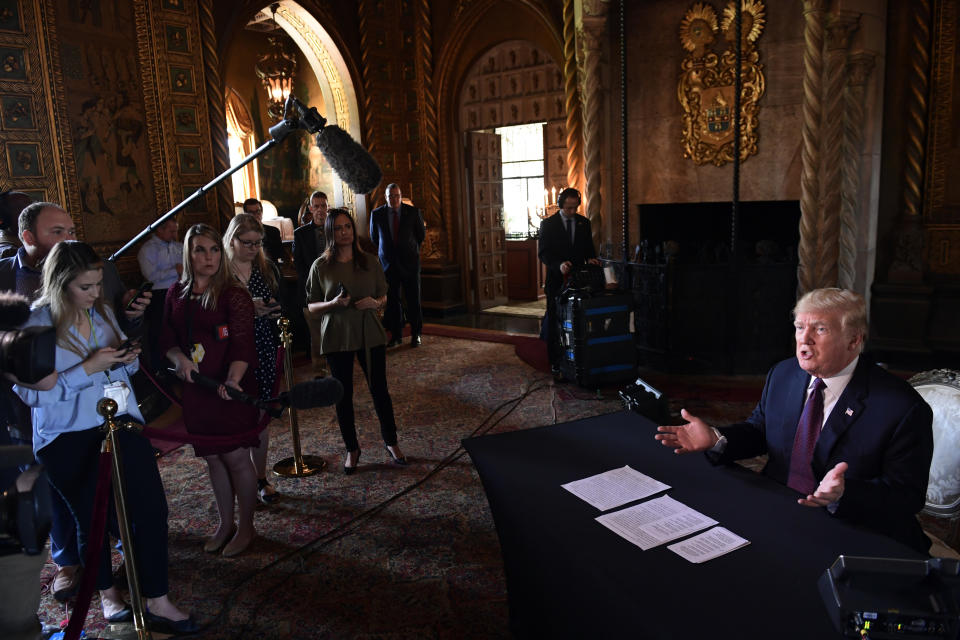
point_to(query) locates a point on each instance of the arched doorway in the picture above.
(323, 80)
(512, 118)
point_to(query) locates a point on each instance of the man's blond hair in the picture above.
(850, 305)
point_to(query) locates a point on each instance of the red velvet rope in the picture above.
(98, 529)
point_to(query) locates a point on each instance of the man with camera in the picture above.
(41, 226)
(24, 490)
(566, 242)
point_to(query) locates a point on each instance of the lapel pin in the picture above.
(849, 412)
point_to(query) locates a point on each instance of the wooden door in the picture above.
(488, 238)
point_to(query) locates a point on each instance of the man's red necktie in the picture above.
(808, 430)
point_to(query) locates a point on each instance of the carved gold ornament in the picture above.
(706, 86)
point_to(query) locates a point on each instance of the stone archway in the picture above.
(336, 86)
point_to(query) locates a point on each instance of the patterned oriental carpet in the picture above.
(387, 552)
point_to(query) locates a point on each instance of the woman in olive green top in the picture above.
(347, 288)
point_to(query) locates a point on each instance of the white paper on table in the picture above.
(651, 523)
(708, 545)
(615, 487)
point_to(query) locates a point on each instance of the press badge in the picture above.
(118, 392)
(197, 353)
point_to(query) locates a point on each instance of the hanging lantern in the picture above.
(276, 69)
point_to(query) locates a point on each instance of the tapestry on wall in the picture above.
(706, 87)
(106, 112)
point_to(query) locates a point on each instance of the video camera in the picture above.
(24, 506)
(29, 355)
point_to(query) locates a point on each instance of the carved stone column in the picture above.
(572, 98)
(428, 123)
(858, 69)
(840, 29)
(591, 38)
(218, 115)
(809, 248)
(907, 266)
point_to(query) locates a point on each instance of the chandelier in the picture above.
(276, 68)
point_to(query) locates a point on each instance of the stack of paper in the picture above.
(708, 545)
(615, 487)
(650, 524)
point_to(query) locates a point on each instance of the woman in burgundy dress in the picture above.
(208, 329)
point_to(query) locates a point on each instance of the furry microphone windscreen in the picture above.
(14, 310)
(349, 160)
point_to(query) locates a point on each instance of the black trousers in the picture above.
(393, 311)
(341, 368)
(71, 462)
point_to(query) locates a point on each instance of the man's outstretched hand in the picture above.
(830, 489)
(695, 435)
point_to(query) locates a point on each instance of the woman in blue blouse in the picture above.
(66, 426)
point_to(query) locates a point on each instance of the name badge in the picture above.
(223, 332)
(118, 392)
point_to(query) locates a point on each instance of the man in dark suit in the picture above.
(397, 231)
(308, 244)
(844, 433)
(272, 242)
(566, 243)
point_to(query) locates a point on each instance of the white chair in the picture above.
(941, 389)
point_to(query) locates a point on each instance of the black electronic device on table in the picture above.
(876, 598)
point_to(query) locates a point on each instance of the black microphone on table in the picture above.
(305, 395)
(348, 159)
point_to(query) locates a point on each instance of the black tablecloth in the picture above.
(569, 576)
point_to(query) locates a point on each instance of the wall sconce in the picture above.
(276, 68)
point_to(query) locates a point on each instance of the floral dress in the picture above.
(265, 337)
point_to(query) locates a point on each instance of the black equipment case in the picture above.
(597, 346)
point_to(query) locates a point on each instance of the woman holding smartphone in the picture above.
(243, 243)
(66, 427)
(208, 329)
(347, 288)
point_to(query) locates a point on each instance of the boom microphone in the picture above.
(347, 158)
(306, 395)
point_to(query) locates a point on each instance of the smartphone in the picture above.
(146, 286)
(341, 290)
(128, 344)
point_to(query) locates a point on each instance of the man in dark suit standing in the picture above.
(272, 242)
(838, 429)
(397, 231)
(566, 243)
(308, 243)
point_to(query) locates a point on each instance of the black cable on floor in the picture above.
(346, 528)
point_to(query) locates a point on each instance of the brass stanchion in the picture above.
(299, 465)
(108, 409)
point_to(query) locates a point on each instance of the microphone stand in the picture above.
(295, 116)
(299, 465)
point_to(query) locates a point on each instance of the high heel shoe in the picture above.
(398, 460)
(356, 461)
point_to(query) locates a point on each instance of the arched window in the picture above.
(241, 142)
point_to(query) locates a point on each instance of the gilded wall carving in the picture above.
(30, 114)
(942, 193)
(706, 86)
